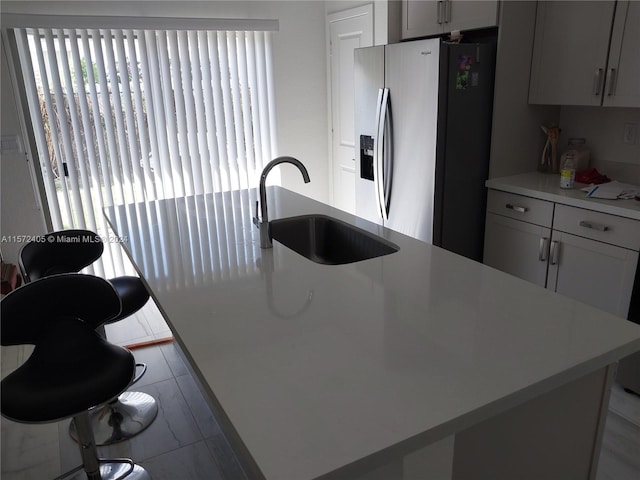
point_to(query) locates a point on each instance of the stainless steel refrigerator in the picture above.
(423, 121)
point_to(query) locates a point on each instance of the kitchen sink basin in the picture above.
(329, 241)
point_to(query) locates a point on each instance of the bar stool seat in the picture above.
(133, 295)
(69, 251)
(72, 368)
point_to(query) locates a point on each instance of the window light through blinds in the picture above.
(123, 116)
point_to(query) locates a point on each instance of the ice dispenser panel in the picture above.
(366, 157)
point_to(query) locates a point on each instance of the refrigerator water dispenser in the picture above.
(366, 157)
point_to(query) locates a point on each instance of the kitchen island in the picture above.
(418, 364)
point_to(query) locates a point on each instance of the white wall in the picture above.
(301, 93)
(299, 70)
(603, 129)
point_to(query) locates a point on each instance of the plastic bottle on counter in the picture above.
(567, 174)
(579, 153)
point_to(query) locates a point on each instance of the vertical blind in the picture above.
(123, 116)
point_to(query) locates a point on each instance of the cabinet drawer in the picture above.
(532, 210)
(623, 232)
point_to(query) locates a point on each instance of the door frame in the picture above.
(331, 18)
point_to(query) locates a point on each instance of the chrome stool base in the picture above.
(117, 471)
(111, 469)
(95, 468)
(120, 419)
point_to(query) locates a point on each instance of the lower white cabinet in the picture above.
(592, 272)
(517, 247)
(585, 255)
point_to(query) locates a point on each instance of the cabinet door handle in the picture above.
(516, 208)
(594, 226)
(611, 79)
(597, 81)
(440, 8)
(447, 11)
(555, 246)
(544, 243)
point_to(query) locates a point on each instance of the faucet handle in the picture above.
(256, 219)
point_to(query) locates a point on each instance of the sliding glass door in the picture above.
(124, 116)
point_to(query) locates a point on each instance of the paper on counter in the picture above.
(612, 190)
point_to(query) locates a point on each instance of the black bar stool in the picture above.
(72, 368)
(69, 251)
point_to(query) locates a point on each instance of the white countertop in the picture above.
(546, 186)
(317, 366)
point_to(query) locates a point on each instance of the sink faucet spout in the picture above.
(262, 221)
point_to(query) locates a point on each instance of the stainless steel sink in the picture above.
(329, 241)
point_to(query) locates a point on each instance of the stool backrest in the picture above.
(28, 310)
(66, 251)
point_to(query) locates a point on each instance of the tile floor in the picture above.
(185, 441)
(620, 453)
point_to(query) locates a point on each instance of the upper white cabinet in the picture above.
(623, 89)
(421, 18)
(573, 41)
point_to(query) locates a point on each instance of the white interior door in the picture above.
(347, 30)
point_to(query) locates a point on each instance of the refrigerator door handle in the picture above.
(377, 148)
(386, 167)
(387, 153)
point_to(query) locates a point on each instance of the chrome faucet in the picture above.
(262, 222)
